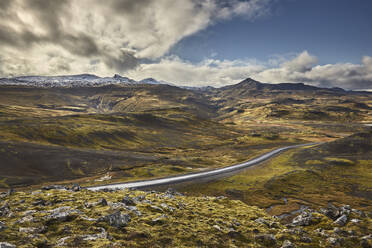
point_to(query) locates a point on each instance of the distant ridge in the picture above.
(74, 81)
(91, 80)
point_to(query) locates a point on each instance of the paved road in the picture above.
(198, 175)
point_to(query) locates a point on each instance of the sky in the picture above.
(325, 43)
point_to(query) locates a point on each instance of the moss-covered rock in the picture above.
(84, 219)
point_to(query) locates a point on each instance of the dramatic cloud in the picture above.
(103, 37)
(298, 69)
(133, 37)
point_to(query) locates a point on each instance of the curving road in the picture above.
(198, 175)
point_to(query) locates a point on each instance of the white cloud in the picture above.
(300, 69)
(103, 36)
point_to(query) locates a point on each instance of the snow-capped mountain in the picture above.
(153, 81)
(73, 81)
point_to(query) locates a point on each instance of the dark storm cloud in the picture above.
(125, 61)
(129, 6)
(79, 44)
(5, 4)
(51, 16)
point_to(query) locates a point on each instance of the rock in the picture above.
(50, 187)
(341, 220)
(131, 208)
(345, 210)
(321, 232)
(6, 245)
(76, 187)
(233, 233)
(266, 239)
(2, 226)
(102, 235)
(262, 221)
(366, 241)
(27, 218)
(341, 232)
(305, 239)
(159, 220)
(331, 212)
(102, 202)
(84, 217)
(356, 221)
(116, 219)
(332, 241)
(155, 208)
(62, 214)
(31, 230)
(304, 219)
(62, 241)
(359, 212)
(128, 201)
(166, 207)
(4, 210)
(287, 244)
(217, 227)
(138, 199)
(29, 212)
(39, 202)
(10, 192)
(117, 205)
(274, 225)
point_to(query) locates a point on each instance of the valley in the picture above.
(89, 136)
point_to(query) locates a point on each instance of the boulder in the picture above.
(2, 226)
(331, 212)
(102, 202)
(262, 221)
(266, 240)
(305, 239)
(6, 245)
(321, 232)
(76, 187)
(366, 241)
(159, 220)
(50, 187)
(62, 214)
(341, 220)
(333, 241)
(355, 221)
(116, 219)
(359, 212)
(128, 201)
(304, 219)
(101, 235)
(39, 202)
(345, 210)
(217, 227)
(287, 244)
(4, 210)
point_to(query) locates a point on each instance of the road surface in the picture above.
(198, 175)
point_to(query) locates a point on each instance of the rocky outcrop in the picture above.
(116, 219)
(127, 218)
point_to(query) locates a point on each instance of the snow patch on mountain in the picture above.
(81, 80)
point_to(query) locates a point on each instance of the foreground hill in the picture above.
(74, 218)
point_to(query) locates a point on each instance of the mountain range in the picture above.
(84, 80)
(80, 80)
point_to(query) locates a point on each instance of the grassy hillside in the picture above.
(132, 132)
(338, 172)
(128, 146)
